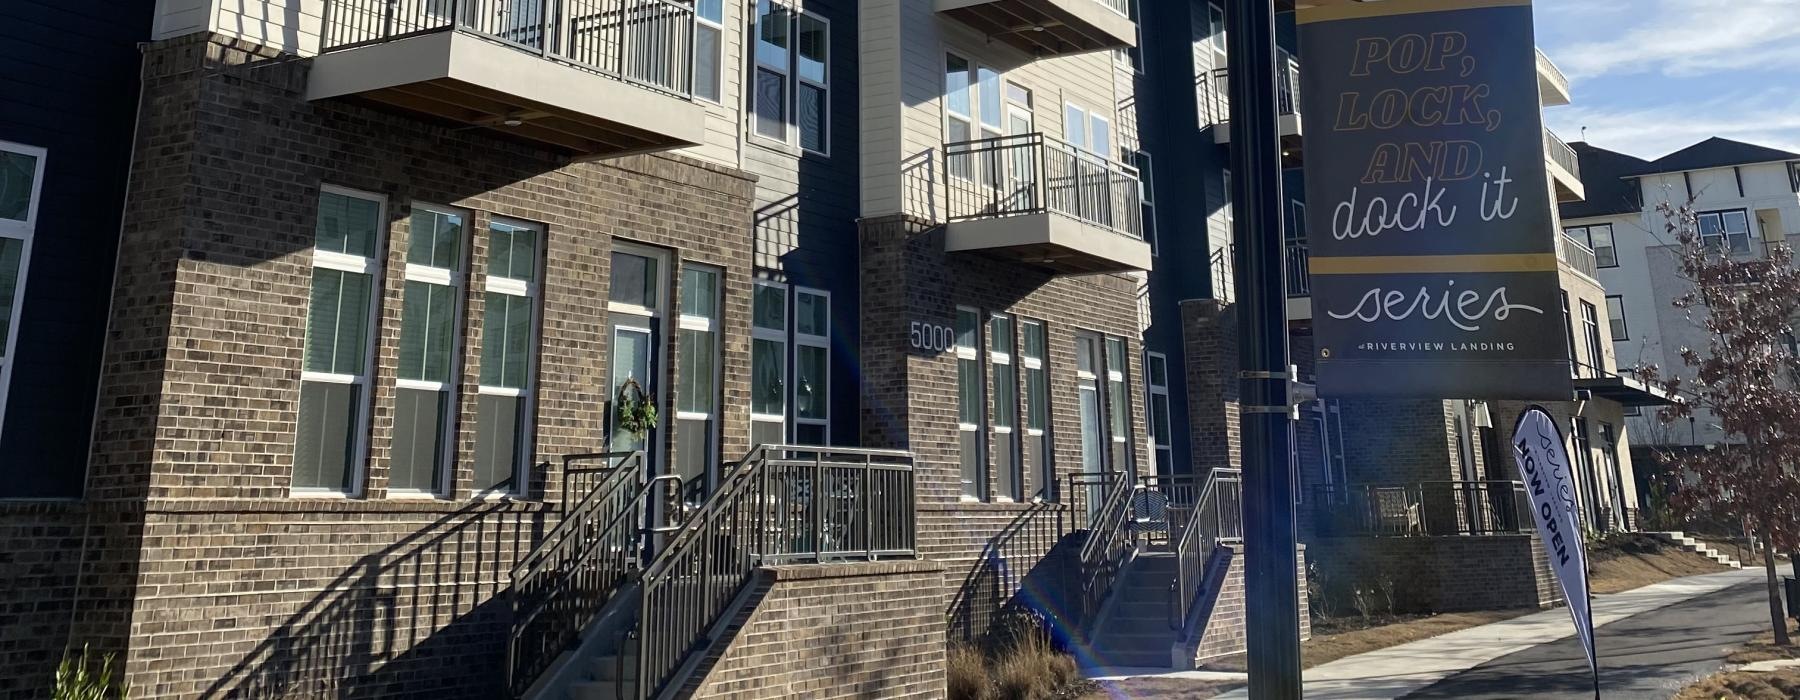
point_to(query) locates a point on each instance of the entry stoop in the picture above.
(1682, 540)
(1135, 630)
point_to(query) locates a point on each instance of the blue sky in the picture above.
(1653, 76)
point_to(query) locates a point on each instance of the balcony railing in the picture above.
(1561, 154)
(646, 42)
(1122, 7)
(1577, 255)
(1213, 89)
(1433, 508)
(1034, 174)
(1299, 269)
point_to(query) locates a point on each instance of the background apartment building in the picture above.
(1744, 197)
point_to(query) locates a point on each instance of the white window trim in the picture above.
(998, 358)
(800, 80)
(705, 324)
(1070, 108)
(790, 78)
(701, 21)
(528, 408)
(371, 266)
(1154, 390)
(778, 336)
(1116, 376)
(1035, 364)
(973, 353)
(24, 232)
(455, 279)
(812, 341)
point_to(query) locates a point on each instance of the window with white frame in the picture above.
(709, 49)
(1118, 403)
(21, 183)
(959, 110)
(970, 403)
(1147, 196)
(812, 366)
(1004, 417)
(1087, 385)
(1725, 230)
(426, 377)
(503, 405)
(1087, 130)
(791, 99)
(697, 369)
(1615, 317)
(768, 363)
(1038, 450)
(1156, 381)
(1598, 238)
(330, 438)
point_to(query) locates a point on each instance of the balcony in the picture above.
(1048, 27)
(592, 78)
(1042, 202)
(1565, 169)
(1213, 90)
(1553, 86)
(1577, 256)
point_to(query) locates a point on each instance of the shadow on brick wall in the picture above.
(1021, 568)
(428, 613)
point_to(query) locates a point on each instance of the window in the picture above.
(1590, 326)
(1609, 462)
(1615, 315)
(329, 444)
(768, 364)
(1156, 380)
(508, 349)
(1583, 456)
(697, 377)
(709, 48)
(1794, 175)
(1038, 450)
(1118, 403)
(635, 311)
(791, 100)
(812, 367)
(1598, 238)
(21, 180)
(426, 379)
(1087, 385)
(1569, 335)
(1297, 224)
(970, 403)
(1147, 195)
(1004, 417)
(1726, 230)
(1215, 18)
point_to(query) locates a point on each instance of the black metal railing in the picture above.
(563, 583)
(1217, 516)
(1212, 88)
(780, 504)
(647, 42)
(1103, 553)
(1299, 268)
(1434, 508)
(1034, 174)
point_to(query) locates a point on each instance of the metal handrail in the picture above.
(1103, 553)
(1299, 268)
(780, 504)
(1035, 173)
(649, 43)
(1217, 516)
(1212, 90)
(563, 583)
(1430, 508)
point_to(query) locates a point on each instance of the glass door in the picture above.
(634, 334)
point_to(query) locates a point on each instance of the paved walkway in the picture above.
(1408, 668)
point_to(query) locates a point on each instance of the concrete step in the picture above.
(599, 690)
(608, 668)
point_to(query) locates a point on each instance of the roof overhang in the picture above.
(1626, 391)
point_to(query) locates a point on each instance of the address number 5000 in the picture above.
(925, 336)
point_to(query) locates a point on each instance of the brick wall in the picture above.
(39, 566)
(1436, 574)
(235, 586)
(839, 631)
(1227, 629)
(1210, 349)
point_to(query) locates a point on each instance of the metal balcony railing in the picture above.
(1122, 7)
(646, 42)
(1577, 255)
(1549, 67)
(1561, 154)
(1299, 269)
(1432, 508)
(1213, 90)
(1033, 174)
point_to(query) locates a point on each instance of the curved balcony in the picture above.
(1043, 202)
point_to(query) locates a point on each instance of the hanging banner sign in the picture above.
(1543, 460)
(1433, 250)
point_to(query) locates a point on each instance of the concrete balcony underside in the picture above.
(1045, 27)
(476, 82)
(1062, 244)
(1568, 184)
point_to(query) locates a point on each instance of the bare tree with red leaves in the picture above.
(1745, 378)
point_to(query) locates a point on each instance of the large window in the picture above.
(791, 100)
(1598, 238)
(812, 367)
(1615, 316)
(970, 403)
(1087, 385)
(1725, 230)
(1156, 376)
(1590, 326)
(1038, 451)
(503, 405)
(697, 370)
(426, 379)
(768, 364)
(1118, 404)
(21, 182)
(709, 49)
(1087, 130)
(329, 444)
(1004, 417)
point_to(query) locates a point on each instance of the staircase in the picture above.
(1134, 630)
(582, 597)
(1682, 540)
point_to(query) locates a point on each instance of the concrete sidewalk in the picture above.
(1396, 671)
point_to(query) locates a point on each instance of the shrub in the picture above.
(76, 679)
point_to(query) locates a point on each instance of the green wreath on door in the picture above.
(634, 411)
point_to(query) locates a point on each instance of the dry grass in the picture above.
(1022, 665)
(1736, 685)
(1763, 648)
(1172, 688)
(1626, 561)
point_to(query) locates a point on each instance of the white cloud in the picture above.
(1677, 38)
(1770, 118)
